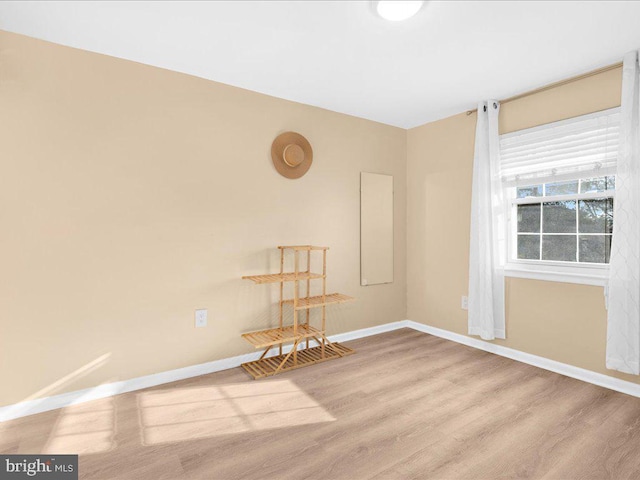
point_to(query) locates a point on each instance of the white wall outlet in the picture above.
(201, 318)
(464, 304)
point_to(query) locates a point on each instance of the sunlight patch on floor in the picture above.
(182, 414)
(84, 429)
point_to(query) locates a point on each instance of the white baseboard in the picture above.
(53, 402)
(588, 376)
(39, 405)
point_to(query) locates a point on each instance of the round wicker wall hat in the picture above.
(291, 154)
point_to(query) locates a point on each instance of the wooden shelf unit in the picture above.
(300, 330)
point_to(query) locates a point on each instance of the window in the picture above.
(568, 221)
(559, 183)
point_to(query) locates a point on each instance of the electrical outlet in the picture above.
(465, 303)
(201, 318)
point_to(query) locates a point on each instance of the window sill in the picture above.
(585, 275)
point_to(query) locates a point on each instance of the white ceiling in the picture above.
(339, 55)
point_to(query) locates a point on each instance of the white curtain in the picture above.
(623, 327)
(486, 255)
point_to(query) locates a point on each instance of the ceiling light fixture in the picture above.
(398, 10)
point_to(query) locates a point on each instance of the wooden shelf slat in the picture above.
(317, 301)
(276, 336)
(309, 356)
(282, 277)
(302, 247)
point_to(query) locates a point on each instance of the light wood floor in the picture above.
(406, 405)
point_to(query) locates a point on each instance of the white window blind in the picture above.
(578, 147)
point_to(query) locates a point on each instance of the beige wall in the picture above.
(132, 195)
(560, 321)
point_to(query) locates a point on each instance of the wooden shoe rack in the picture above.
(300, 332)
